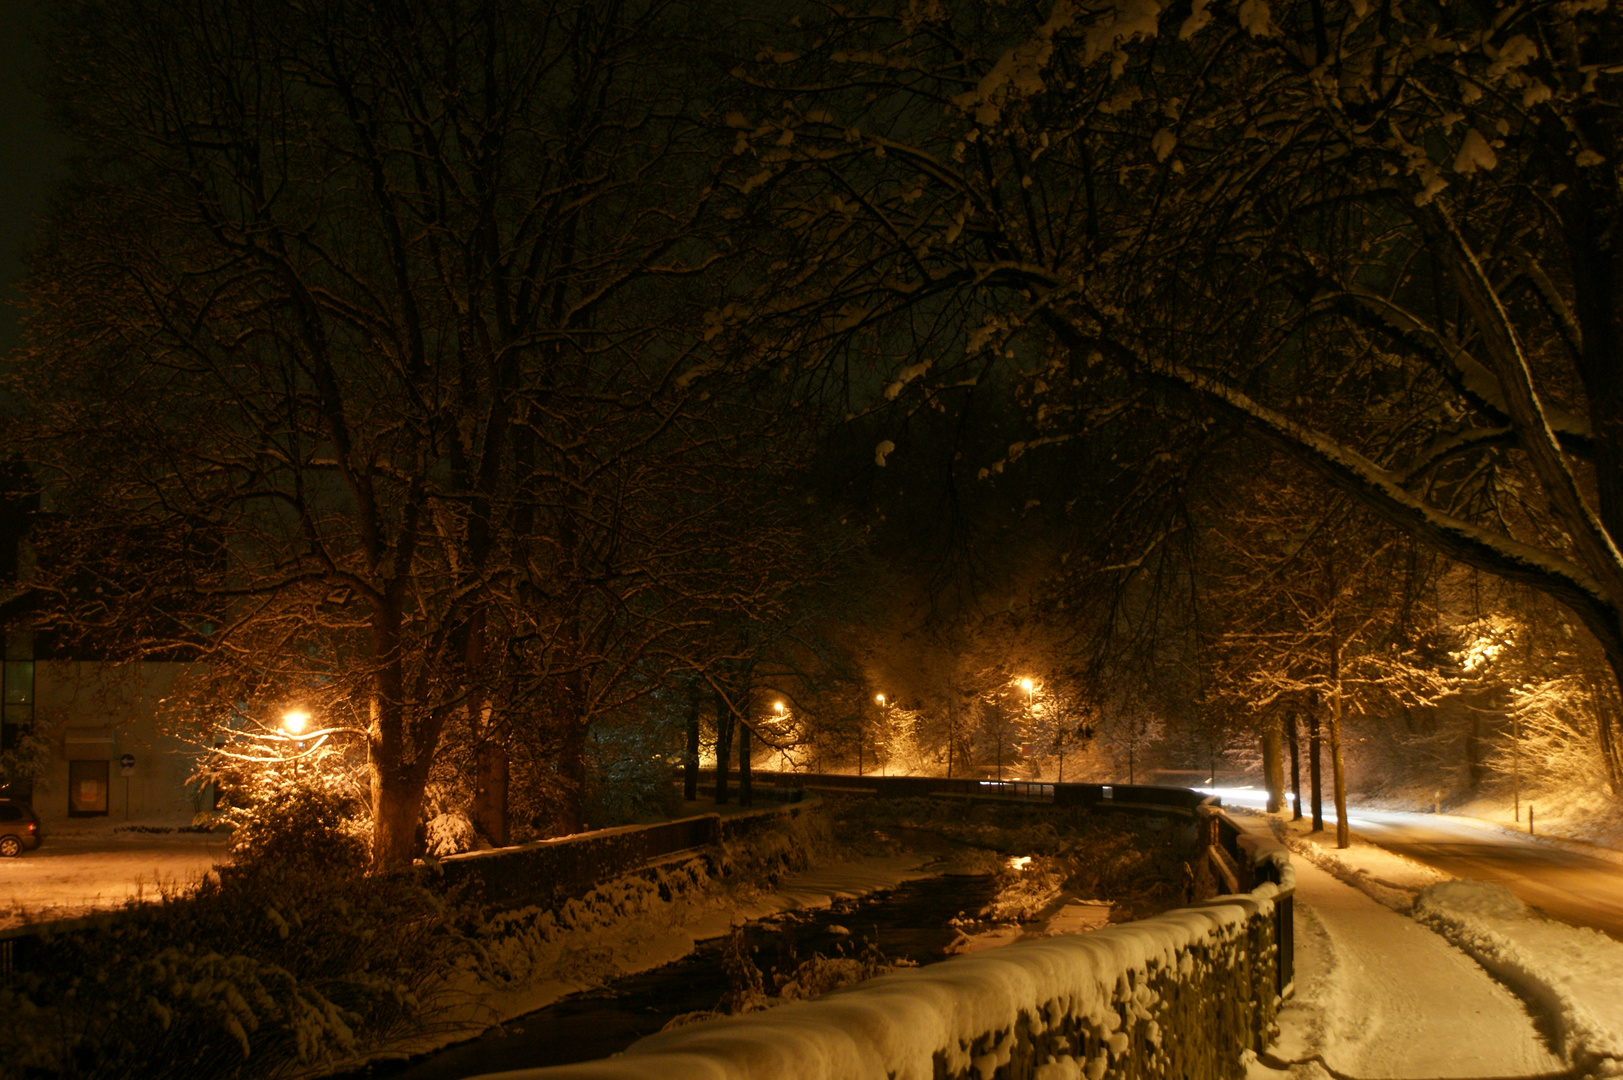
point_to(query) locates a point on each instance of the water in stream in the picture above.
(909, 922)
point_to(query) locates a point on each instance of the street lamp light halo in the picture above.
(294, 720)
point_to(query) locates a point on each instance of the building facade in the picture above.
(98, 750)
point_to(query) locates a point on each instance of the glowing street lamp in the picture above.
(293, 722)
(880, 698)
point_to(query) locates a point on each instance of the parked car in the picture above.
(19, 828)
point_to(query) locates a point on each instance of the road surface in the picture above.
(76, 872)
(1580, 889)
(1584, 890)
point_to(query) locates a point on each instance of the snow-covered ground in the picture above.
(627, 926)
(79, 870)
(1571, 976)
(1379, 995)
(1573, 973)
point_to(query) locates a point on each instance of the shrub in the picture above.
(450, 834)
(300, 827)
(283, 969)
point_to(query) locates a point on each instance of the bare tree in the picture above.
(1420, 220)
(354, 341)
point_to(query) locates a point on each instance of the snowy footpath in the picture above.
(1380, 995)
(1403, 970)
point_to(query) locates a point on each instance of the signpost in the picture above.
(126, 769)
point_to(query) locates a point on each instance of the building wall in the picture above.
(97, 712)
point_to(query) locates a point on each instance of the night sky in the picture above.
(29, 153)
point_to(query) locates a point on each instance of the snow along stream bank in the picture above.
(624, 927)
(1189, 992)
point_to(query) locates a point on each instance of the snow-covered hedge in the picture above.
(1189, 993)
(256, 975)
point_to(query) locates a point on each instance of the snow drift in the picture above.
(1574, 973)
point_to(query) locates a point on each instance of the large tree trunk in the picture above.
(1603, 703)
(1273, 762)
(491, 766)
(746, 794)
(1474, 767)
(724, 746)
(1314, 771)
(397, 789)
(492, 779)
(570, 716)
(571, 733)
(572, 771)
(398, 762)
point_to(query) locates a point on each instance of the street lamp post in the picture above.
(783, 759)
(880, 698)
(1030, 688)
(293, 722)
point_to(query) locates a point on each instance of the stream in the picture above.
(909, 922)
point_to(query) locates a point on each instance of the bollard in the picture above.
(1529, 819)
(1437, 802)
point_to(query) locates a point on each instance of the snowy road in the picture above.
(1579, 889)
(1583, 890)
(1379, 995)
(74, 873)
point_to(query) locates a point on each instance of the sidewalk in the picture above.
(1379, 995)
(1570, 973)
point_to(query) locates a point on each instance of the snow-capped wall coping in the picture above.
(1187, 993)
(1270, 860)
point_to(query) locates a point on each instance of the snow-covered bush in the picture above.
(285, 969)
(450, 834)
(631, 776)
(303, 826)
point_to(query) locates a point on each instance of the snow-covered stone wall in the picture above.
(1186, 994)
